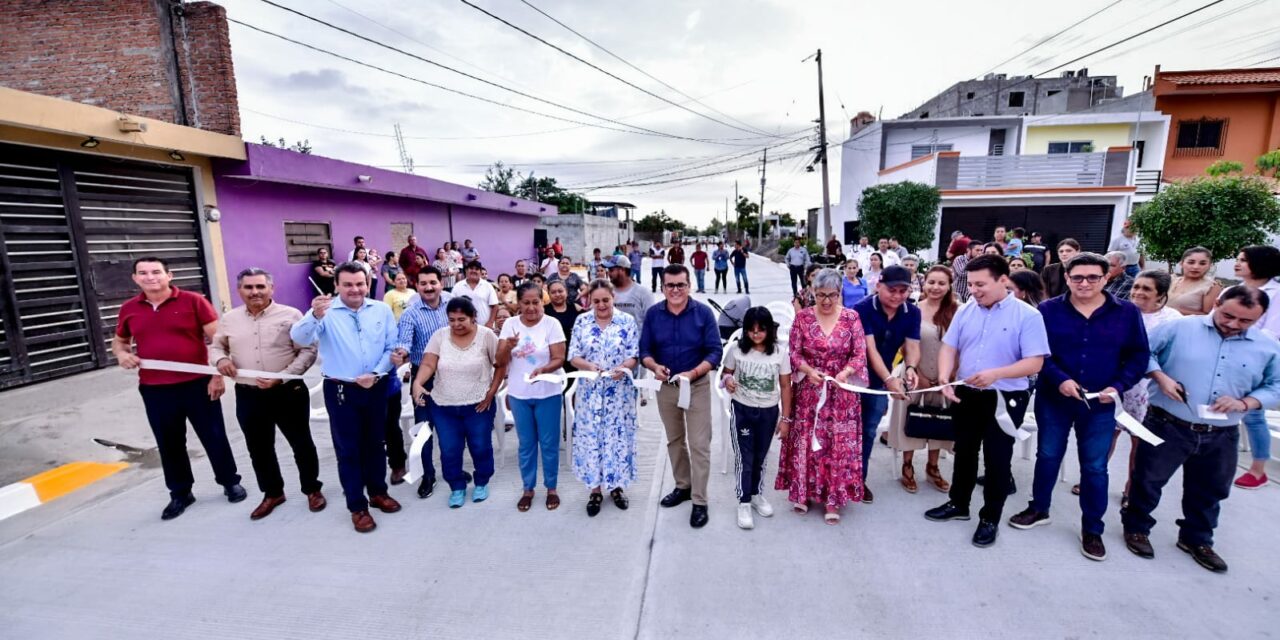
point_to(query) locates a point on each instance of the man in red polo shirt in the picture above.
(166, 323)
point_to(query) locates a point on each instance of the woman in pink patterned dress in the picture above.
(826, 340)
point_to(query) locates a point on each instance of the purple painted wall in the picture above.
(275, 186)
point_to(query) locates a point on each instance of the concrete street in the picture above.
(99, 563)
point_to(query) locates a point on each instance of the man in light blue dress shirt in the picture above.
(1209, 371)
(355, 340)
(1000, 342)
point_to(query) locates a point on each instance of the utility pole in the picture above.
(822, 150)
(764, 166)
(726, 218)
(737, 211)
(405, 160)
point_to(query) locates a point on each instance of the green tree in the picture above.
(1222, 214)
(714, 228)
(302, 146)
(907, 211)
(499, 178)
(546, 190)
(1224, 167)
(1269, 163)
(659, 221)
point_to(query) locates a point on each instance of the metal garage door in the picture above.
(70, 227)
(1090, 225)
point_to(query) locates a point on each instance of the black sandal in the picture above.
(620, 499)
(593, 504)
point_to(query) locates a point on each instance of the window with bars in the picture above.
(1204, 137)
(303, 239)
(921, 150)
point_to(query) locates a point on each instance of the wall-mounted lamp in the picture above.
(211, 213)
(90, 142)
(176, 155)
(129, 125)
(514, 204)
(365, 179)
(472, 196)
(542, 208)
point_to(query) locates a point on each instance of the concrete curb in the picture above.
(53, 484)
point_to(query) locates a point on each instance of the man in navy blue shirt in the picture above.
(1098, 344)
(891, 323)
(680, 339)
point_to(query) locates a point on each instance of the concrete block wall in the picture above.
(580, 233)
(155, 58)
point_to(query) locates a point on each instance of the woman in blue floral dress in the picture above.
(604, 428)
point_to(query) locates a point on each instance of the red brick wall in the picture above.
(120, 54)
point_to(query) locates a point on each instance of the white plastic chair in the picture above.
(568, 415)
(722, 402)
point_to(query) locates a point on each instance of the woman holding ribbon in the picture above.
(604, 427)
(530, 345)
(821, 459)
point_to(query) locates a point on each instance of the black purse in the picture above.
(930, 423)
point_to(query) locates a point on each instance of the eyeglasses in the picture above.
(1091, 279)
(826, 296)
(675, 286)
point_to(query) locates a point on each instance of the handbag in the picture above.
(925, 422)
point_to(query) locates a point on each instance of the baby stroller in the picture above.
(731, 315)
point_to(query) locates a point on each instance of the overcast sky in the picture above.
(740, 58)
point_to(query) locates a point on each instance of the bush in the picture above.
(1223, 214)
(907, 211)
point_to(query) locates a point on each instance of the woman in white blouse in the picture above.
(463, 361)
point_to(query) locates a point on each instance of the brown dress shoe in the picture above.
(363, 521)
(268, 505)
(316, 501)
(397, 475)
(384, 503)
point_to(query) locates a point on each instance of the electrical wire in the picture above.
(600, 69)
(1038, 44)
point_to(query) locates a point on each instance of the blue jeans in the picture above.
(538, 425)
(873, 410)
(635, 273)
(740, 279)
(1255, 425)
(423, 414)
(701, 275)
(1094, 428)
(460, 427)
(1132, 270)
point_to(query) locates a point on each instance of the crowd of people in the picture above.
(953, 355)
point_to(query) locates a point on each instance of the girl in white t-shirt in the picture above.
(531, 344)
(757, 372)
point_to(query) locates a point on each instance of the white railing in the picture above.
(1050, 170)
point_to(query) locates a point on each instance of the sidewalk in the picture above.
(99, 563)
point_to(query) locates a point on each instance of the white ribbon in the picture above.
(1129, 422)
(560, 378)
(204, 369)
(421, 434)
(685, 395)
(1006, 421)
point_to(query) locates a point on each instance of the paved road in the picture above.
(99, 563)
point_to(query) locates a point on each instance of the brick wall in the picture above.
(126, 55)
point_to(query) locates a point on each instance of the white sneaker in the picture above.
(744, 516)
(761, 505)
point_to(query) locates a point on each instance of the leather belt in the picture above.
(1194, 426)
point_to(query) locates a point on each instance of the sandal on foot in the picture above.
(619, 499)
(1075, 490)
(553, 501)
(908, 478)
(935, 477)
(831, 517)
(800, 508)
(526, 501)
(593, 504)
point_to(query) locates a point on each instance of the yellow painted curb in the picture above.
(60, 481)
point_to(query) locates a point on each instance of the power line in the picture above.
(1038, 44)
(638, 177)
(642, 71)
(721, 172)
(468, 75)
(1254, 64)
(602, 70)
(634, 130)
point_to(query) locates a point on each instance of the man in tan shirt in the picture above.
(256, 336)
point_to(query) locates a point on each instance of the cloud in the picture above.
(692, 21)
(326, 80)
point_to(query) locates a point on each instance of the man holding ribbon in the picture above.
(167, 323)
(999, 341)
(355, 341)
(891, 324)
(421, 320)
(255, 336)
(680, 344)
(1210, 370)
(1099, 346)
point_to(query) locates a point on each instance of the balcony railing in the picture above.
(1147, 181)
(1052, 170)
